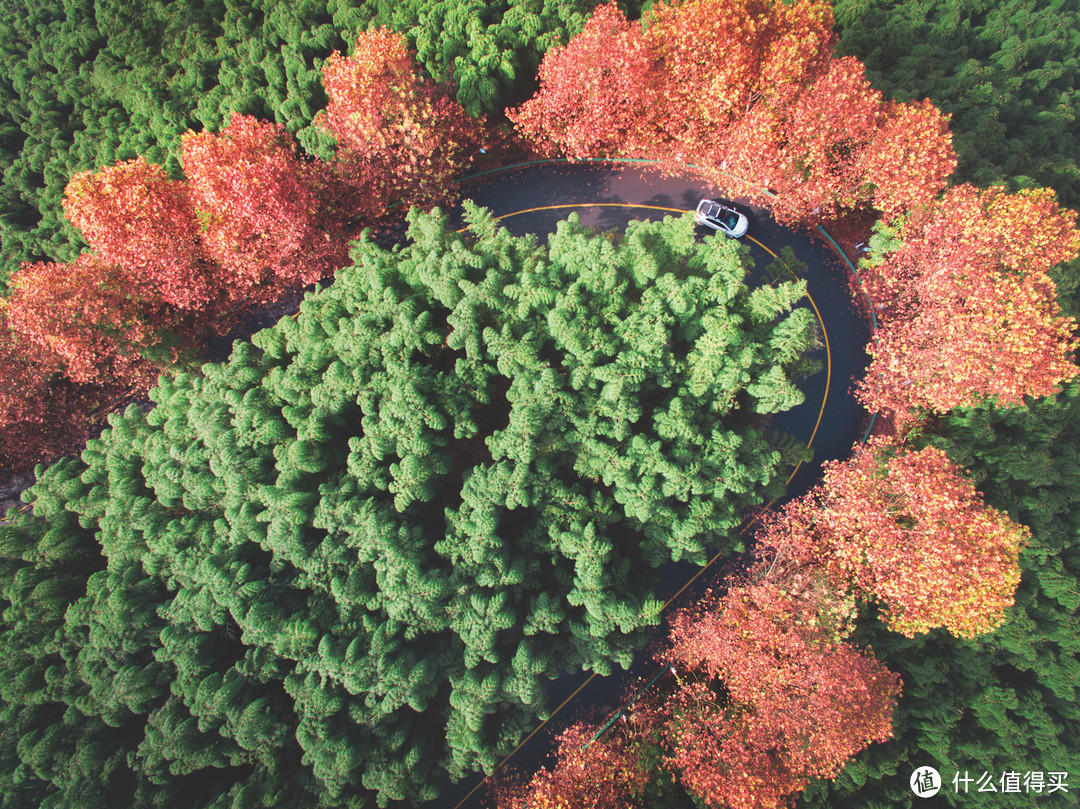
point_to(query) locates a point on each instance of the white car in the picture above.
(721, 217)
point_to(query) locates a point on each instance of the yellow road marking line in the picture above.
(828, 358)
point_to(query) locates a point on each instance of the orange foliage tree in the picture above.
(40, 410)
(73, 333)
(400, 138)
(769, 695)
(826, 132)
(136, 218)
(910, 157)
(967, 307)
(727, 79)
(260, 209)
(598, 92)
(749, 88)
(904, 528)
(603, 774)
(89, 316)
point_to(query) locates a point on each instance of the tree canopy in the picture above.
(400, 139)
(89, 83)
(1006, 73)
(345, 561)
(967, 304)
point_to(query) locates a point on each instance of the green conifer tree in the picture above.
(346, 560)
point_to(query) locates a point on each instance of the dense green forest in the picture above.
(87, 83)
(174, 666)
(1008, 72)
(234, 599)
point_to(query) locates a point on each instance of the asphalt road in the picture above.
(533, 198)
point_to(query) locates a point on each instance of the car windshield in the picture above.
(727, 218)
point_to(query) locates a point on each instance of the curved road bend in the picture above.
(532, 198)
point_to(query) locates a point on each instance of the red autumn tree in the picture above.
(597, 92)
(41, 412)
(601, 774)
(830, 125)
(771, 697)
(800, 43)
(727, 77)
(90, 317)
(717, 61)
(400, 138)
(136, 218)
(967, 305)
(259, 209)
(910, 158)
(907, 530)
